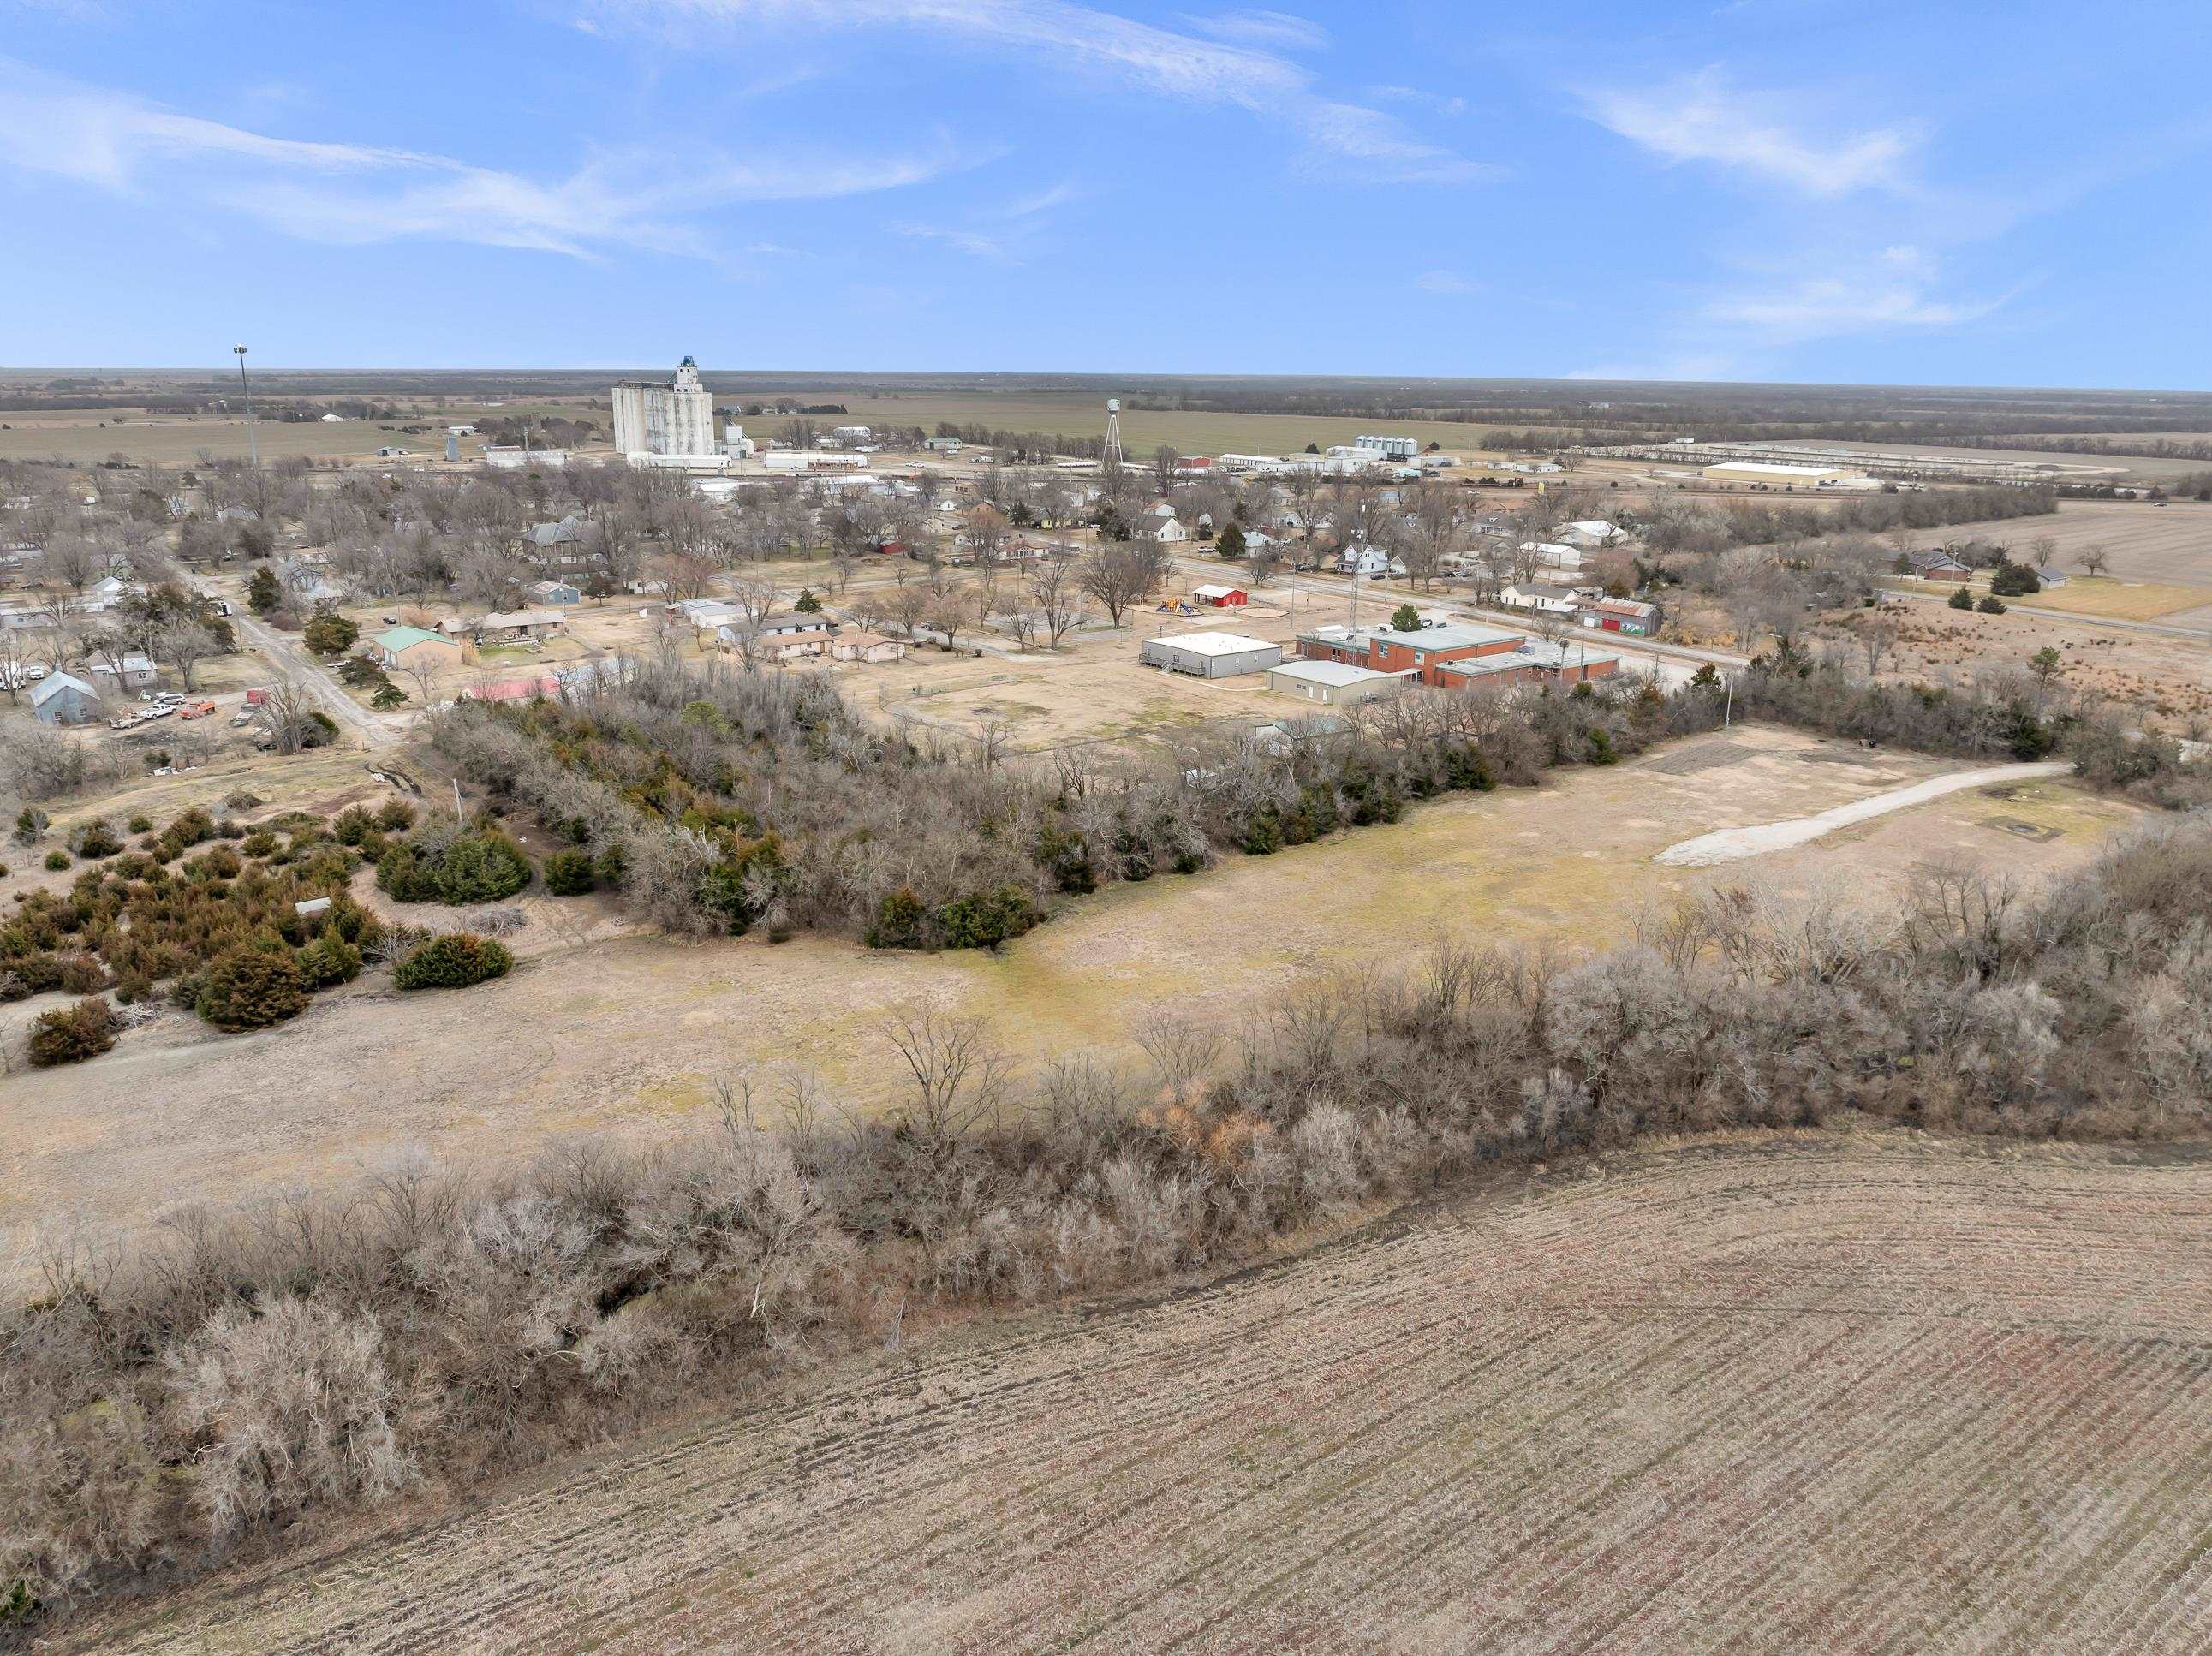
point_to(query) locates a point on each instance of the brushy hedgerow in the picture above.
(333, 1348)
(732, 799)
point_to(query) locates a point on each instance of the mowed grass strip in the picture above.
(2118, 600)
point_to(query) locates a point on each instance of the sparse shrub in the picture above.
(476, 867)
(94, 839)
(395, 815)
(452, 962)
(1960, 598)
(254, 986)
(30, 825)
(141, 824)
(328, 958)
(1991, 605)
(986, 919)
(568, 874)
(57, 859)
(71, 1034)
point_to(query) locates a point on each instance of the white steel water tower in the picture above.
(1113, 429)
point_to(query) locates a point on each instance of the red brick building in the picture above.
(1455, 657)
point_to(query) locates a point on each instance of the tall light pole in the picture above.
(253, 446)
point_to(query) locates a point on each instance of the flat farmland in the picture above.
(85, 435)
(1143, 430)
(1768, 1394)
(2171, 544)
(602, 1030)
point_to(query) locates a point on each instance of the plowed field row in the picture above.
(1875, 1395)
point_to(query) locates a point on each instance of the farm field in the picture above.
(2169, 544)
(173, 439)
(1084, 415)
(1767, 1393)
(2108, 468)
(601, 1031)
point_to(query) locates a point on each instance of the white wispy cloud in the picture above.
(352, 193)
(1006, 230)
(973, 242)
(1896, 289)
(1257, 26)
(1701, 117)
(1086, 39)
(1446, 282)
(1436, 102)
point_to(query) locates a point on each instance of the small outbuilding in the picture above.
(1211, 655)
(1221, 597)
(1331, 684)
(63, 698)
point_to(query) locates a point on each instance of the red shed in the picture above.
(1222, 597)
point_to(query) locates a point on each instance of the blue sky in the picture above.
(1807, 189)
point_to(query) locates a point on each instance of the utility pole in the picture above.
(252, 445)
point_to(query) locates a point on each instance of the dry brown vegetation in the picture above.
(167, 1401)
(1741, 1396)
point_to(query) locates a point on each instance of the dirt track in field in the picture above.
(1774, 1395)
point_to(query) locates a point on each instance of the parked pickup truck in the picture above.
(196, 710)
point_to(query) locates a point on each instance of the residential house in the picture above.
(785, 637)
(518, 626)
(557, 545)
(1535, 595)
(138, 673)
(1936, 566)
(1589, 533)
(1361, 559)
(873, 647)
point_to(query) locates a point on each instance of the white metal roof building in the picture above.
(1211, 655)
(1331, 684)
(1770, 472)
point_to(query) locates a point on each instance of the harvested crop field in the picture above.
(2170, 544)
(1874, 1392)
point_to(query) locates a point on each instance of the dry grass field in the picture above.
(598, 1030)
(2163, 679)
(1874, 1393)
